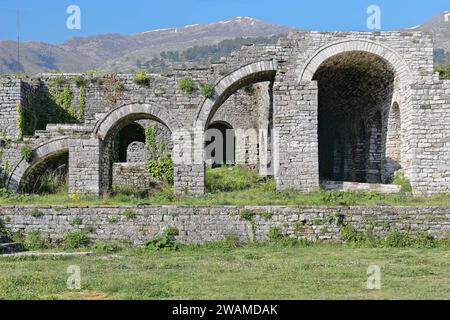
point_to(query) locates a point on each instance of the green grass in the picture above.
(230, 186)
(255, 271)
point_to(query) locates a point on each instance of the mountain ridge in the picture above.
(121, 52)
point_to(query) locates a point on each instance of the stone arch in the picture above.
(226, 86)
(136, 112)
(41, 154)
(402, 71)
(114, 122)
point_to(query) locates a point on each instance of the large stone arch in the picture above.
(251, 73)
(402, 71)
(40, 154)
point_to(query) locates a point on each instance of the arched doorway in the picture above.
(354, 89)
(115, 122)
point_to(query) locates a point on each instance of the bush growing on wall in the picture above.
(141, 78)
(186, 85)
(161, 169)
(207, 90)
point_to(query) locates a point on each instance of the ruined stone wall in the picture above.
(132, 175)
(202, 224)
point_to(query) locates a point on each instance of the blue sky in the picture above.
(45, 20)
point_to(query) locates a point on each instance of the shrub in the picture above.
(76, 221)
(186, 85)
(164, 242)
(34, 241)
(161, 169)
(348, 233)
(79, 81)
(36, 213)
(26, 153)
(141, 78)
(444, 71)
(228, 179)
(247, 215)
(207, 90)
(172, 231)
(400, 180)
(424, 240)
(106, 247)
(129, 214)
(397, 239)
(75, 240)
(275, 234)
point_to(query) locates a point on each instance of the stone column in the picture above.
(189, 162)
(84, 166)
(265, 115)
(296, 152)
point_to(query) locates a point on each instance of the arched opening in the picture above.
(48, 175)
(220, 144)
(354, 89)
(126, 148)
(129, 134)
(392, 161)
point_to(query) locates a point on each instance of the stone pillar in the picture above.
(189, 162)
(11, 98)
(265, 115)
(296, 152)
(84, 166)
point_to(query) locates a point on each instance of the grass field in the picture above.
(255, 271)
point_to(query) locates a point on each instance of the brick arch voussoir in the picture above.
(40, 153)
(221, 87)
(115, 116)
(307, 71)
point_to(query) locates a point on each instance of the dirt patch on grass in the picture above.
(82, 295)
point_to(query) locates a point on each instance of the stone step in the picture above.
(357, 186)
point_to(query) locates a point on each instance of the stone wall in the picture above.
(132, 175)
(112, 100)
(201, 224)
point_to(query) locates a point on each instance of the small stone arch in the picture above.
(403, 72)
(226, 86)
(40, 154)
(114, 121)
(135, 111)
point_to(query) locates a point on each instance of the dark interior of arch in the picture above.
(227, 152)
(355, 90)
(130, 133)
(48, 175)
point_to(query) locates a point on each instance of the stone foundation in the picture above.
(201, 224)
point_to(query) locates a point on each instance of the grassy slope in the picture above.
(268, 271)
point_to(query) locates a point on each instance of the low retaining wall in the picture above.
(199, 224)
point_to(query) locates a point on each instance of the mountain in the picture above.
(117, 52)
(439, 26)
(180, 47)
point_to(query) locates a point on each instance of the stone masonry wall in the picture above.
(132, 175)
(202, 224)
